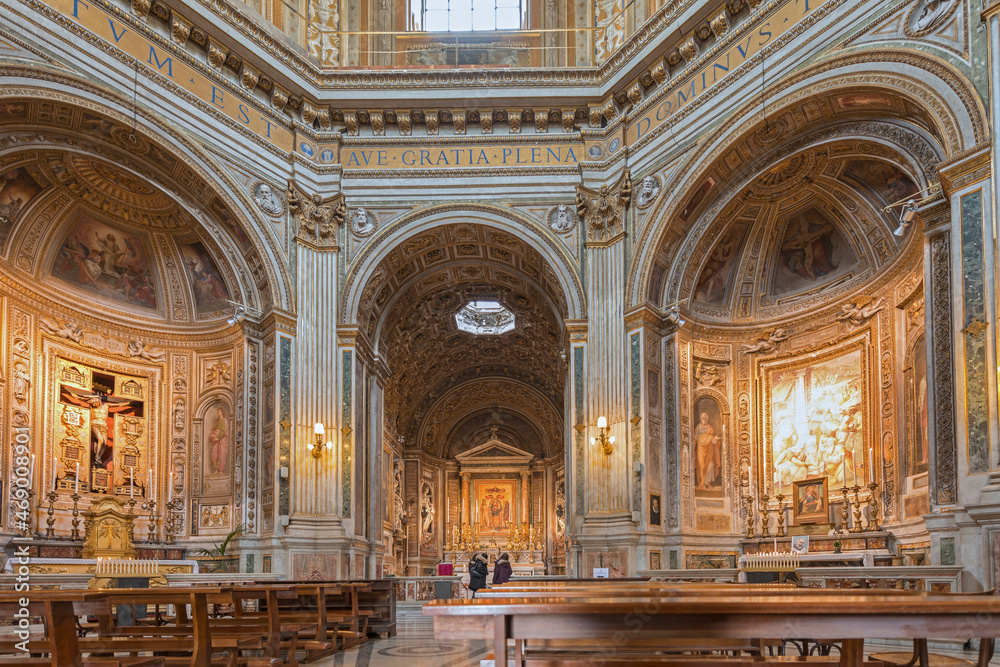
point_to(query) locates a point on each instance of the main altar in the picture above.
(496, 515)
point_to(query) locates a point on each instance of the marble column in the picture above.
(465, 498)
(525, 499)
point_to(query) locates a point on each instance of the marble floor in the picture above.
(414, 646)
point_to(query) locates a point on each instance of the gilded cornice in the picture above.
(967, 167)
(645, 316)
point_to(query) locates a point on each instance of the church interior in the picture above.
(324, 298)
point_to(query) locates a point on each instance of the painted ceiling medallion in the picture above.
(484, 318)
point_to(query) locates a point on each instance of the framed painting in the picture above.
(654, 510)
(810, 501)
(494, 506)
(817, 417)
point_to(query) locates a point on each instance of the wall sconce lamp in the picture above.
(316, 448)
(603, 438)
(906, 215)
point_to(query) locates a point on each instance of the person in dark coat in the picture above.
(502, 570)
(477, 573)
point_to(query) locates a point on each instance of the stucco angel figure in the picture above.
(858, 312)
(61, 330)
(137, 349)
(767, 343)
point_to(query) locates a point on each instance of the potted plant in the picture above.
(836, 547)
(218, 560)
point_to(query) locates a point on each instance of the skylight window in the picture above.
(464, 15)
(484, 318)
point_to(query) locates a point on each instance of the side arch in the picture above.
(928, 83)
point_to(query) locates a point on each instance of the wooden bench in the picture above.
(612, 620)
(59, 645)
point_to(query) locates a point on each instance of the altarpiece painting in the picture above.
(494, 506)
(816, 416)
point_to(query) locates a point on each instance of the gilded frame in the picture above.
(861, 342)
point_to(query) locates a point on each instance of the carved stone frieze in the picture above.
(944, 481)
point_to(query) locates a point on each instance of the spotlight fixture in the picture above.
(316, 449)
(906, 216)
(238, 316)
(240, 312)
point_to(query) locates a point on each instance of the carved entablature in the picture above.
(109, 530)
(493, 456)
(604, 209)
(319, 219)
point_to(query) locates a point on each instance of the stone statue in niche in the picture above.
(648, 189)
(363, 222)
(21, 382)
(859, 311)
(266, 200)
(179, 414)
(562, 219)
(177, 476)
(427, 515)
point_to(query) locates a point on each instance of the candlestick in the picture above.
(845, 510)
(873, 520)
(856, 528)
(50, 531)
(765, 516)
(154, 533)
(75, 536)
(781, 515)
(750, 518)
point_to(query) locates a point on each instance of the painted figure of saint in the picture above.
(708, 454)
(218, 440)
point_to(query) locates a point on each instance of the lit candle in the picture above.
(31, 470)
(131, 483)
(149, 485)
(55, 466)
(77, 490)
(871, 464)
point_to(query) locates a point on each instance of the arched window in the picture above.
(464, 15)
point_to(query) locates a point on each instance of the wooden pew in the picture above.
(59, 610)
(605, 618)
